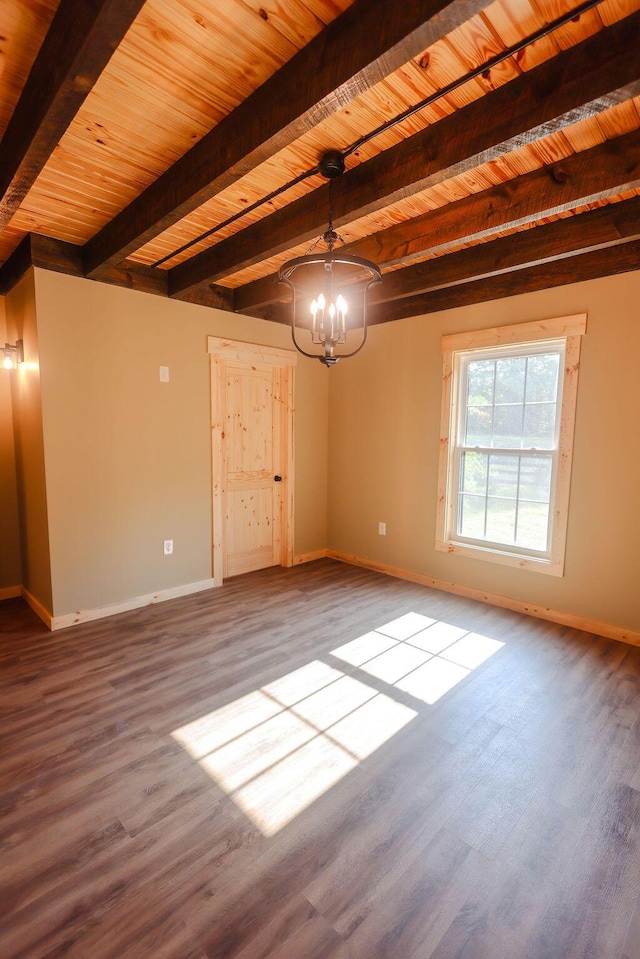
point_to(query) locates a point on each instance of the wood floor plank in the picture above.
(427, 782)
(590, 911)
(401, 921)
(297, 929)
(494, 901)
(130, 882)
(630, 948)
(294, 767)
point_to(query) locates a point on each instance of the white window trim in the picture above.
(568, 328)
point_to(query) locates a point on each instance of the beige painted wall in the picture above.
(10, 561)
(383, 459)
(127, 457)
(29, 445)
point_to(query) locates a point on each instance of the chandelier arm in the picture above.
(312, 356)
(365, 329)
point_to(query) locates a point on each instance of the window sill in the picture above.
(502, 558)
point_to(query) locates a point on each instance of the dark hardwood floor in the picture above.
(318, 763)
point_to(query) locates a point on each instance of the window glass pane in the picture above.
(503, 476)
(479, 426)
(533, 519)
(508, 404)
(542, 377)
(535, 478)
(480, 377)
(471, 516)
(517, 504)
(540, 425)
(510, 379)
(507, 428)
(501, 520)
(474, 473)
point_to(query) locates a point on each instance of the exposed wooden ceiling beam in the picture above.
(591, 265)
(592, 175)
(566, 251)
(579, 83)
(367, 42)
(50, 254)
(80, 42)
(213, 296)
(15, 266)
(605, 170)
(609, 226)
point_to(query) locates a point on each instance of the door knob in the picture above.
(277, 479)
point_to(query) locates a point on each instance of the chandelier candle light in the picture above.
(319, 282)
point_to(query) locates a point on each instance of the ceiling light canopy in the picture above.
(329, 288)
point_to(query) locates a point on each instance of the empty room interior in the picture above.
(319, 472)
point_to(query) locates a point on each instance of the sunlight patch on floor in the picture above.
(278, 749)
(418, 655)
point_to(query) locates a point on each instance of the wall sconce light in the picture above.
(13, 355)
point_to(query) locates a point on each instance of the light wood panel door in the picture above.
(252, 461)
(252, 446)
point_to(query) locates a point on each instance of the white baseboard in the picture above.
(310, 557)
(10, 592)
(149, 599)
(495, 599)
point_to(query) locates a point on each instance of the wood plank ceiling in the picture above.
(140, 137)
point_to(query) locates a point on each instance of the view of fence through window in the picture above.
(508, 437)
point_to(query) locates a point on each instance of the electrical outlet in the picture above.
(164, 374)
(382, 529)
(168, 547)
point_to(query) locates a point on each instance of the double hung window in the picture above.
(507, 429)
